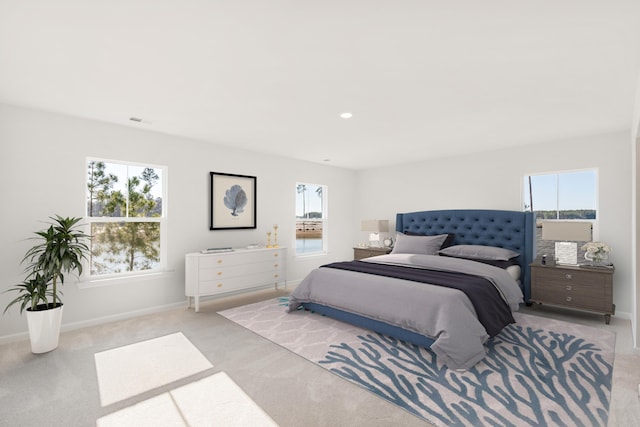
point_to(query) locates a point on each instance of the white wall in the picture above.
(493, 180)
(42, 171)
(635, 140)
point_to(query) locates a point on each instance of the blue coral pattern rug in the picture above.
(538, 372)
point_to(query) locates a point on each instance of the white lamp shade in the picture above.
(375, 225)
(572, 231)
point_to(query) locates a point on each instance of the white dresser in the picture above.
(231, 272)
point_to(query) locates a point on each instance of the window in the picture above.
(564, 195)
(311, 215)
(125, 211)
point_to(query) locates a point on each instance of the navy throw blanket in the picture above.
(492, 310)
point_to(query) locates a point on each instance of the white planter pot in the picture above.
(44, 329)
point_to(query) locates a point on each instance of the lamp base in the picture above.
(566, 253)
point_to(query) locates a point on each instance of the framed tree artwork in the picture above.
(233, 201)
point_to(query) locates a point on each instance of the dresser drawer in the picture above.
(236, 258)
(228, 271)
(209, 287)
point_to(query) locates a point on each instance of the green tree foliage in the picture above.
(99, 185)
(127, 245)
(566, 214)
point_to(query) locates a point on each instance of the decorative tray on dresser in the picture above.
(232, 271)
(576, 287)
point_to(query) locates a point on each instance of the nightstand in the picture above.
(575, 287)
(369, 251)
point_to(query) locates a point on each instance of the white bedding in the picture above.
(514, 271)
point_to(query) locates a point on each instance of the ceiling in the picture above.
(422, 78)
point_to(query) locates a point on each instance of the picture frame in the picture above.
(232, 201)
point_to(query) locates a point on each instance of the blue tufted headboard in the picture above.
(505, 229)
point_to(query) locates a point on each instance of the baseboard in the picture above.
(289, 285)
(121, 316)
(66, 327)
(5, 339)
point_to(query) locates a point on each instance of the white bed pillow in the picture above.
(422, 245)
(514, 271)
(479, 252)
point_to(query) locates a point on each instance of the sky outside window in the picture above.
(562, 191)
(309, 200)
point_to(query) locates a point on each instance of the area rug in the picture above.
(130, 370)
(213, 401)
(538, 372)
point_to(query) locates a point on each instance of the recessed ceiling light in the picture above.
(346, 115)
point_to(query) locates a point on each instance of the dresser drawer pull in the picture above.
(275, 265)
(568, 276)
(275, 275)
(568, 287)
(275, 255)
(219, 285)
(569, 299)
(219, 273)
(219, 261)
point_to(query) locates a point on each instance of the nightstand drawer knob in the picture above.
(567, 276)
(568, 287)
(569, 299)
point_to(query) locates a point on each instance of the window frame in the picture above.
(323, 220)
(162, 220)
(593, 221)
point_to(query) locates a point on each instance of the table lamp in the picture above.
(375, 226)
(566, 234)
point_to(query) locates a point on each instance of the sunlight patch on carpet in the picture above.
(213, 401)
(133, 369)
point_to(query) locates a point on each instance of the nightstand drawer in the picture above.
(572, 286)
(572, 296)
(562, 277)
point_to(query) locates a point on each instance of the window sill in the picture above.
(133, 278)
(311, 254)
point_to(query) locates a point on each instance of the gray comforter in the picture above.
(443, 314)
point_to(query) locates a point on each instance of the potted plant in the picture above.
(60, 250)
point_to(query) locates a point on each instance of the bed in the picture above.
(397, 295)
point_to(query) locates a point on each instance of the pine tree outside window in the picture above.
(126, 213)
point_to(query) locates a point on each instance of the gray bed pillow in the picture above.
(479, 252)
(422, 245)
